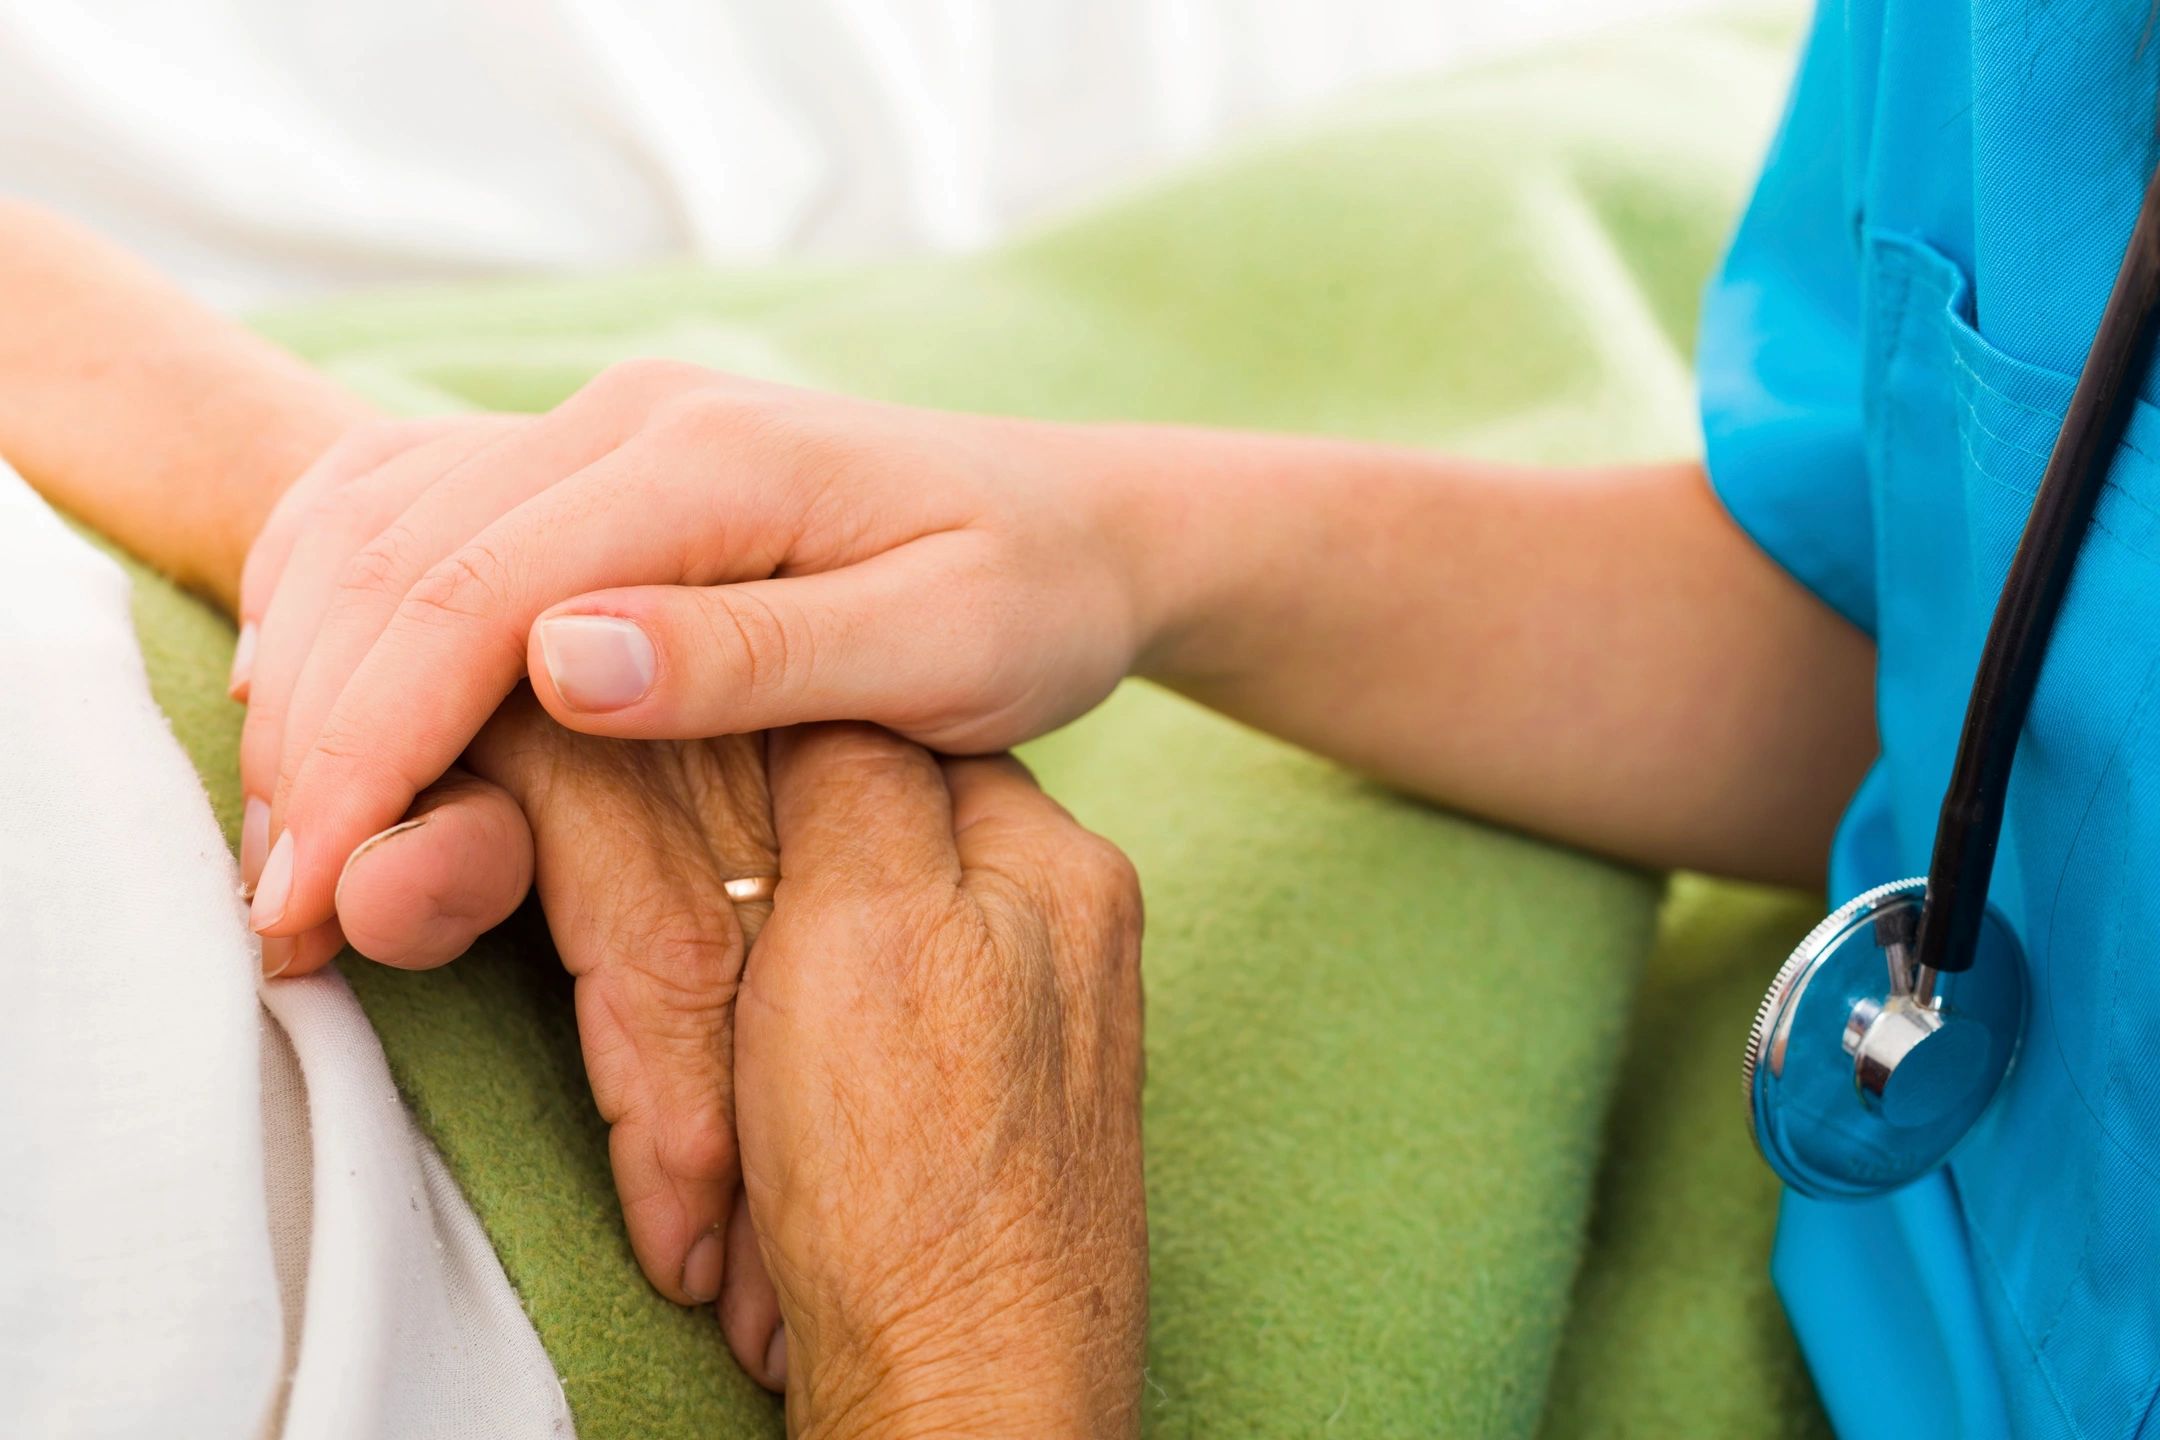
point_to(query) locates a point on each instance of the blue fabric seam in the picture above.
(2053, 420)
(2022, 493)
(1904, 271)
(1972, 413)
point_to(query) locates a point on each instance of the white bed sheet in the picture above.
(263, 150)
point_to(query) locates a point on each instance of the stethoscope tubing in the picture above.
(1970, 824)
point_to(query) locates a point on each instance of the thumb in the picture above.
(418, 895)
(885, 641)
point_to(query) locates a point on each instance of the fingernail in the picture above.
(372, 843)
(403, 827)
(243, 661)
(254, 841)
(776, 1360)
(274, 887)
(701, 1270)
(277, 954)
(597, 662)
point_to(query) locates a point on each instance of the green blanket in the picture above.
(1427, 1152)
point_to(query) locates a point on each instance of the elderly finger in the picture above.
(857, 807)
(417, 895)
(750, 1307)
(999, 811)
(658, 956)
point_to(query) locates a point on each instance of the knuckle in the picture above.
(473, 582)
(686, 985)
(712, 418)
(768, 421)
(337, 743)
(660, 1012)
(361, 448)
(383, 565)
(771, 649)
(1101, 865)
(345, 511)
(642, 380)
(1107, 880)
(693, 1140)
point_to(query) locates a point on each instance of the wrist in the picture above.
(162, 424)
(276, 434)
(1186, 519)
(1011, 1349)
(1151, 523)
(991, 1389)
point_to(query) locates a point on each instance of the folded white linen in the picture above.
(216, 1216)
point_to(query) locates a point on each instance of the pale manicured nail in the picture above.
(776, 1359)
(274, 888)
(597, 662)
(701, 1269)
(254, 841)
(277, 954)
(243, 662)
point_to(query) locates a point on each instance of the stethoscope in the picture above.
(1887, 1034)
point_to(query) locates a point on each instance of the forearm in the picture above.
(165, 425)
(1600, 655)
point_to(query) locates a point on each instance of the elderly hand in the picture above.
(938, 1050)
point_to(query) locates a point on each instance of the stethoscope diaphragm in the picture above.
(1863, 1073)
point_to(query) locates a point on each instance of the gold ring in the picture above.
(751, 888)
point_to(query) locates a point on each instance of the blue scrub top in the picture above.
(1886, 356)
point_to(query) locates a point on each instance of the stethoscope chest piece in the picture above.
(1863, 1072)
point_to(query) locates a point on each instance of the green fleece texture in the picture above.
(1430, 1152)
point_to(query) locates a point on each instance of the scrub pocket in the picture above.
(2060, 1187)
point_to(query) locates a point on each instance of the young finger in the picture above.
(444, 494)
(358, 451)
(454, 647)
(893, 638)
(303, 954)
(291, 620)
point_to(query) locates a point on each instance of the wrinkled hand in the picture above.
(631, 843)
(960, 579)
(938, 1039)
(627, 845)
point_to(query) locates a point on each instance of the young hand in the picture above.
(952, 577)
(938, 1047)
